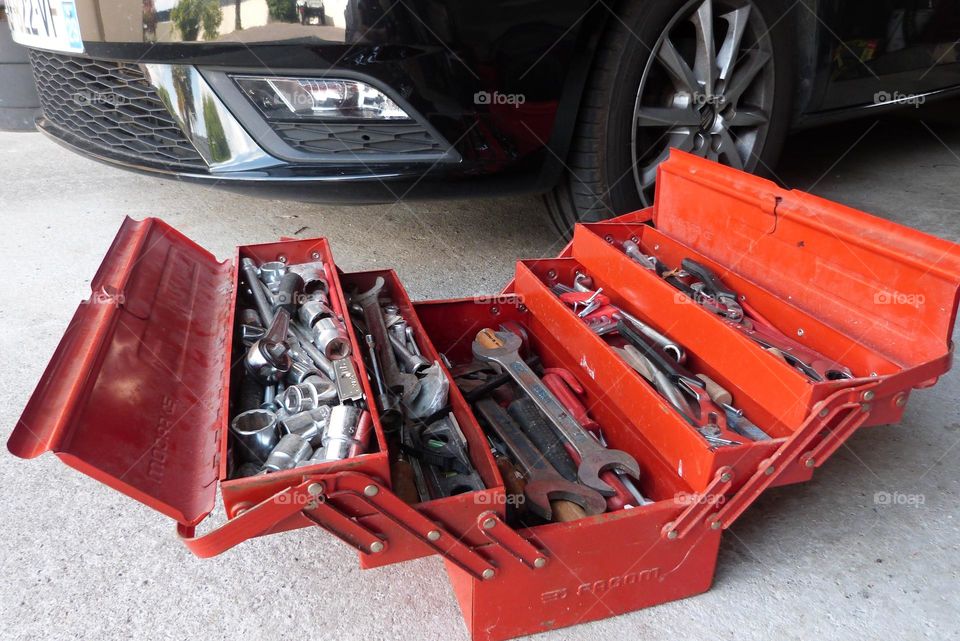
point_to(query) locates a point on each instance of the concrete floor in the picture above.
(821, 560)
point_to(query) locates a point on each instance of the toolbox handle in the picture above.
(247, 524)
(318, 497)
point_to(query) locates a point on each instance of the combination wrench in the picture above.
(501, 348)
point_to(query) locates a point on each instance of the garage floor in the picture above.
(868, 549)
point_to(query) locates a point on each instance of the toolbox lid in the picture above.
(134, 393)
(891, 288)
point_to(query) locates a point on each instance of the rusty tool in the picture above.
(546, 491)
(501, 348)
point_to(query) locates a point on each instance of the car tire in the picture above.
(609, 164)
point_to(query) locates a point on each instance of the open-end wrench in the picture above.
(501, 348)
(405, 384)
(544, 483)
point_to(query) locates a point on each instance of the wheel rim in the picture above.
(707, 89)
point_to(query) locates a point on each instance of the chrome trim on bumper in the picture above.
(205, 120)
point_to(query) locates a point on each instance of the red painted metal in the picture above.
(875, 296)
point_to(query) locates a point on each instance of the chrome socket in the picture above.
(255, 434)
(331, 339)
(311, 393)
(314, 277)
(301, 371)
(271, 273)
(341, 432)
(291, 449)
(312, 311)
(309, 425)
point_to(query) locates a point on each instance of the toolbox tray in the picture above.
(138, 393)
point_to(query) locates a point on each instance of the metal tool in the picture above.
(408, 361)
(443, 439)
(543, 484)
(291, 449)
(432, 394)
(686, 392)
(305, 342)
(544, 437)
(341, 432)
(605, 325)
(391, 415)
(271, 272)
(309, 394)
(289, 292)
(268, 358)
(331, 338)
(251, 275)
(255, 434)
(402, 383)
(501, 348)
(348, 384)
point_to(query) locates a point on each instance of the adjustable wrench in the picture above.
(544, 483)
(501, 348)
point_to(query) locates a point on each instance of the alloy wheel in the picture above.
(707, 89)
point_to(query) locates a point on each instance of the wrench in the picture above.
(544, 483)
(501, 348)
(406, 385)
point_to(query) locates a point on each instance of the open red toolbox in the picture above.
(142, 388)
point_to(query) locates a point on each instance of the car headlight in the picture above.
(318, 99)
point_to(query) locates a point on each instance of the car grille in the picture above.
(348, 139)
(112, 107)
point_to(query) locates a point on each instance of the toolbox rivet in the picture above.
(715, 525)
(315, 489)
(608, 238)
(433, 535)
(824, 412)
(868, 395)
(282, 258)
(725, 477)
(770, 470)
(672, 534)
(488, 573)
(315, 255)
(489, 524)
(376, 546)
(551, 274)
(800, 331)
(901, 400)
(634, 239)
(656, 247)
(371, 490)
(810, 462)
(539, 562)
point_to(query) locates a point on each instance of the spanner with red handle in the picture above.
(501, 348)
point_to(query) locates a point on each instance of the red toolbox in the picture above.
(141, 391)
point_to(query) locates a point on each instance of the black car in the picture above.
(382, 99)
